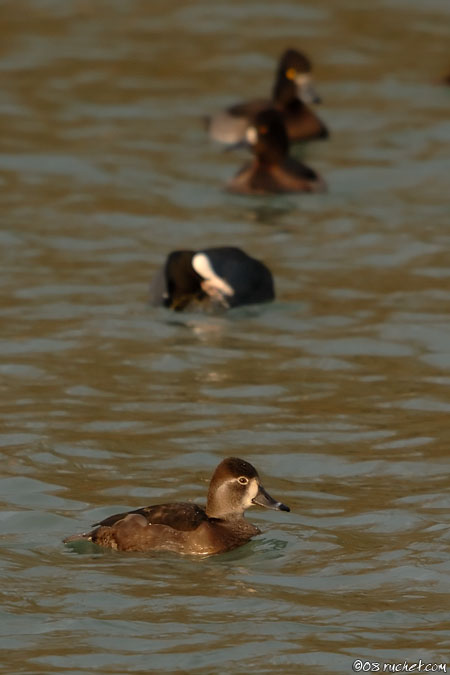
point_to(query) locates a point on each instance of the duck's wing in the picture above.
(182, 516)
(302, 124)
(249, 108)
(293, 176)
(296, 168)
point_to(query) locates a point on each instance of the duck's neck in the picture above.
(215, 508)
(284, 91)
(269, 155)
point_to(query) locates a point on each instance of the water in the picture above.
(337, 392)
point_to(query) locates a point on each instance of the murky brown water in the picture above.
(338, 392)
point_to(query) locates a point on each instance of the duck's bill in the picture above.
(264, 499)
(306, 89)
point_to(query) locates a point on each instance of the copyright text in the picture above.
(360, 666)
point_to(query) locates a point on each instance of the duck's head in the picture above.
(235, 487)
(294, 78)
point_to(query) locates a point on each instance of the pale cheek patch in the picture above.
(202, 266)
(252, 492)
(251, 135)
(303, 80)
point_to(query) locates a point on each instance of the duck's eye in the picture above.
(243, 480)
(291, 73)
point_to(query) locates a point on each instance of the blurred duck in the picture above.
(185, 527)
(272, 169)
(211, 279)
(293, 90)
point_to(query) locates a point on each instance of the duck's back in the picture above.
(249, 278)
(256, 178)
(182, 516)
(302, 124)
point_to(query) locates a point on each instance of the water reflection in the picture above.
(269, 211)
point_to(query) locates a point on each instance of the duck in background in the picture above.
(272, 169)
(211, 279)
(184, 527)
(293, 90)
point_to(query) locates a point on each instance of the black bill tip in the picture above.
(264, 499)
(283, 507)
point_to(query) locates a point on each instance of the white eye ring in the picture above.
(243, 480)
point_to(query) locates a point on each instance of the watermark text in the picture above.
(360, 666)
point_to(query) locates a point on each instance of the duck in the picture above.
(186, 528)
(293, 90)
(272, 170)
(212, 279)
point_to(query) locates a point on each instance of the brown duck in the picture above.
(187, 528)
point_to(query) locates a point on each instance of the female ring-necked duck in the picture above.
(187, 528)
(272, 169)
(292, 91)
(214, 278)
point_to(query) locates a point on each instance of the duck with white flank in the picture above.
(293, 90)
